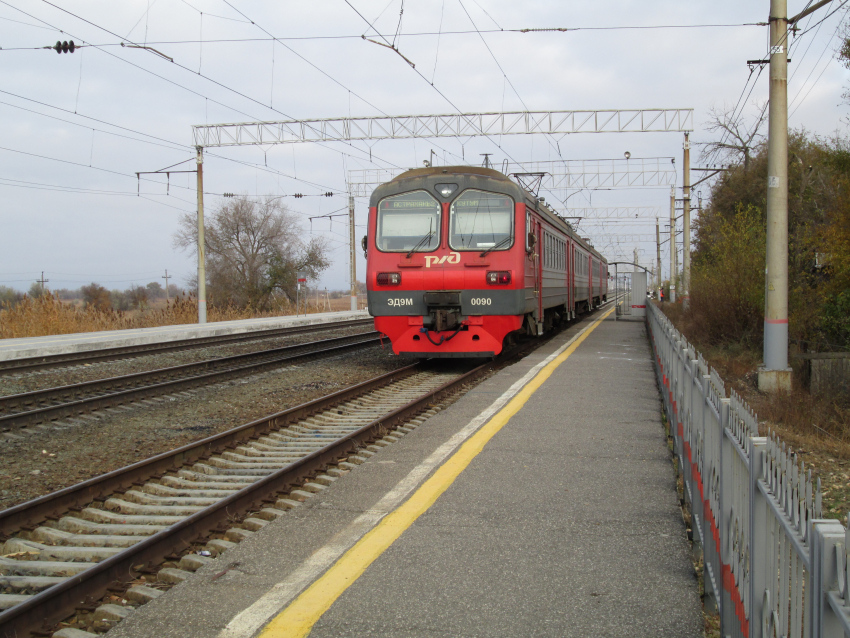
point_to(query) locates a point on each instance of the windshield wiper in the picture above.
(495, 246)
(426, 238)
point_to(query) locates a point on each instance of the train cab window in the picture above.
(408, 222)
(481, 221)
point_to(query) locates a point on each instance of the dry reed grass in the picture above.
(47, 315)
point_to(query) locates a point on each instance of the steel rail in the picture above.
(58, 602)
(161, 382)
(29, 364)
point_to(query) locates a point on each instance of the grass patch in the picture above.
(47, 315)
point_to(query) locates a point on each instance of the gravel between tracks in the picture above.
(38, 380)
(49, 458)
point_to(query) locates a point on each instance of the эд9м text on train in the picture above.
(459, 258)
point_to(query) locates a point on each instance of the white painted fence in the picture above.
(772, 565)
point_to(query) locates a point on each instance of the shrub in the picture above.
(727, 281)
(96, 296)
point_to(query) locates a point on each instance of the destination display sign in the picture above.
(396, 204)
(484, 203)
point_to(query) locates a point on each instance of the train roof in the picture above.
(478, 177)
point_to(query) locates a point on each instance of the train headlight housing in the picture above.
(446, 189)
(389, 278)
(497, 277)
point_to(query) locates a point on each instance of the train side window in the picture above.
(410, 221)
(481, 221)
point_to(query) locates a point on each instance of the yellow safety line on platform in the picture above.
(297, 619)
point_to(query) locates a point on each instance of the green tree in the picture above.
(137, 296)
(9, 297)
(818, 233)
(155, 290)
(727, 281)
(37, 290)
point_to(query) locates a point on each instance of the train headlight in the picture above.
(389, 278)
(499, 277)
(446, 189)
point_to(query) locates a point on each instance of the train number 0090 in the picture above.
(481, 301)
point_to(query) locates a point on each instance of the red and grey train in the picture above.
(460, 257)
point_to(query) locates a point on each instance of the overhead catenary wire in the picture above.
(439, 92)
(808, 29)
(814, 67)
(333, 79)
(524, 31)
(826, 17)
(216, 82)
(502, 70)
(167, 143)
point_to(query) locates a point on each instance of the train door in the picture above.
(537, 265)
(590, 282)
(571, 297)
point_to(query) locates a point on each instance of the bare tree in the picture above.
(137, 296)
(739, 137)
(254, 250)
(97, 296)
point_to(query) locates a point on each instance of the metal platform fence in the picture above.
(771, 564)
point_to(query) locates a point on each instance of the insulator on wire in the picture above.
(64, 47)
(329, 194)
(298, 196)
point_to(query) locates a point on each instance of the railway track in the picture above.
(40, 406)
(149, 525)
(30, 364)
(74, 545)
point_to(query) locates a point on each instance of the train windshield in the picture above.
(482, 221)
(408, 222)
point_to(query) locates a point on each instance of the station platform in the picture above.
(88, 341)
(540, 503)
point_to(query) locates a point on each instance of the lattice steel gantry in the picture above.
(400, 127)
(350, 129)
(560, 175)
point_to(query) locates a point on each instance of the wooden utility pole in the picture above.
(166, 277)
(202, 275)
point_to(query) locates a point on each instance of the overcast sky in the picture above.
(67, 168)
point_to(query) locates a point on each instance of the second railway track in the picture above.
(65, 359)
(41, 406)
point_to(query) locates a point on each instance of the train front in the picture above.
(445, 271)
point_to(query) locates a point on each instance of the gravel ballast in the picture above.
(50, 458)
(51, 378)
